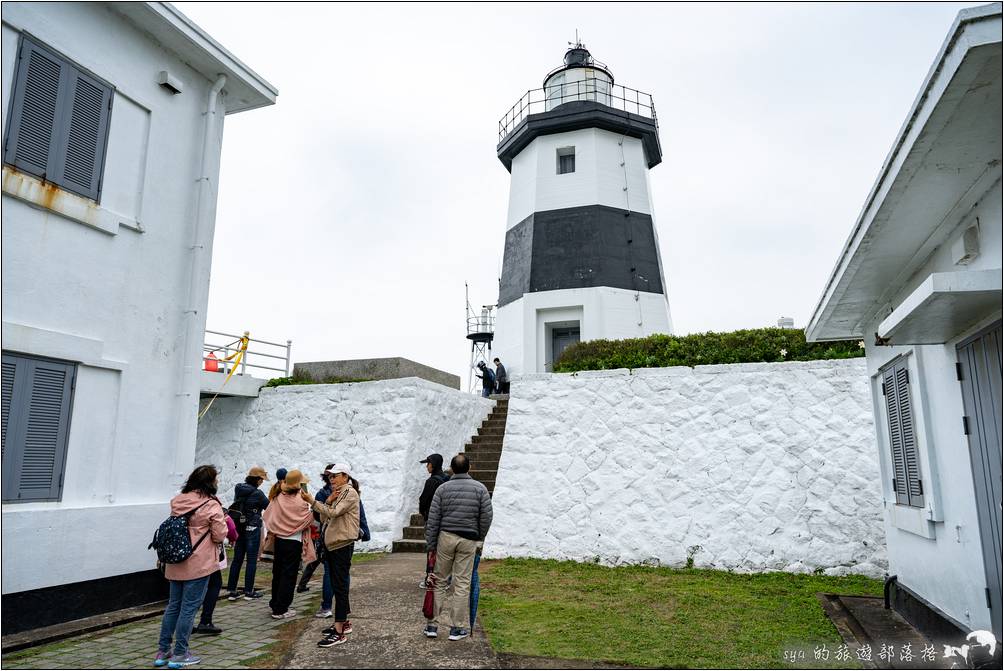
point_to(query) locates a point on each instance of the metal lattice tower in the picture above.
(481, 332)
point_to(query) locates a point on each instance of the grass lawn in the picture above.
(659, 617)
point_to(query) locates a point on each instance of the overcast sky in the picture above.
(352, 212)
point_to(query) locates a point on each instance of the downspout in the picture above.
(193, 323)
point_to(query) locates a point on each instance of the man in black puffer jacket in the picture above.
(459, 519)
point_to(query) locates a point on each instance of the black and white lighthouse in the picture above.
(581, 255)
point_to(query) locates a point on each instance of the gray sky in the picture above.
(353, 210)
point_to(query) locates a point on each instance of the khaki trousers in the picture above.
(454, 555)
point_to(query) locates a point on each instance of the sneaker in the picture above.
(161, 658)
(347, 627)
(252, 595)
(431, 631)
(177, 662)
(329, 631)
(302, 588)
(331, 641)
(457, 633)
(284, 616)
(233, 596)
(322, 613)
(423, 584)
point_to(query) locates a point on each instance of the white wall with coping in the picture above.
(748, 467)
(381, 429)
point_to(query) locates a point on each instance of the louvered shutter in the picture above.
(36, 405)
(59, 121)
(81, 135)
(902, 434)
(34, 110)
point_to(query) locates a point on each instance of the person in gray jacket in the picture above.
(459, 519)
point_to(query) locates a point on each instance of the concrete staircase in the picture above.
(484, 451)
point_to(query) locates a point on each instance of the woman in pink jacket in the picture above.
(189, 579)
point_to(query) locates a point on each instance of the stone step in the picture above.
(498, 431)
(414, 533)
(484, 453)
(417, 520)
(482, 475)
(407, 545)
(488, 438)
(493, 423)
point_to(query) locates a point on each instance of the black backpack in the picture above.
(172, 540)
(237, 513)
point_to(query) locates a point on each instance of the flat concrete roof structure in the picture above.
(389, 368)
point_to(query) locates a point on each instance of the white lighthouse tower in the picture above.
(581, 255)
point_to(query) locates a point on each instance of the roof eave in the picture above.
(817, 329)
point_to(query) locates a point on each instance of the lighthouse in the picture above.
(581, 259)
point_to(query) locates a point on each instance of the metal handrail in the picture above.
(481, 323)
(251, 356)
(614, 96)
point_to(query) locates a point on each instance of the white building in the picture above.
(919, 280)
(581, 255)
(113, 119)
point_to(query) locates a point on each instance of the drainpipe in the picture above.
(886, 588)
(194, 322)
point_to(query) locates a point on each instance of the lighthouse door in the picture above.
(562, 338)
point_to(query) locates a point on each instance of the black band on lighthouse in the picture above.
(577, 247)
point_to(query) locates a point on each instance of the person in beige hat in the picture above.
(249, 502)
(288, 517)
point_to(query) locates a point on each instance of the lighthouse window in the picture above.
(566, 160)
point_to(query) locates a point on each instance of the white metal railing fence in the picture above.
(219, 348)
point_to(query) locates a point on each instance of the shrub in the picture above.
(698, 349)
(284, 381)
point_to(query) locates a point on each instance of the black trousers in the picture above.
(338, 564)
(212, 596)
(285, 566)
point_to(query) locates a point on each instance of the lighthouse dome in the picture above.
(580, 78)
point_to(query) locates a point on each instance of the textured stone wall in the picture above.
(381, 429)
(748, 467)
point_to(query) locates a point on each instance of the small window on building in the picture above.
(566, 160)
(906, 482)
(58, 121)
(36, 422)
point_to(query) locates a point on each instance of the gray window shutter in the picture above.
(58, 121)
(82, 135)
(902, 434)
(34, 111)
(36, 426)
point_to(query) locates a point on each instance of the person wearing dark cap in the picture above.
(434, 465)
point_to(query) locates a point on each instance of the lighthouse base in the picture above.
(531, 332)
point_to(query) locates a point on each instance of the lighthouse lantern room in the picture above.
(581, 258)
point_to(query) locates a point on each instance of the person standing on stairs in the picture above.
(434, 465)
(501, 378)
(487, 379)
(459, 519)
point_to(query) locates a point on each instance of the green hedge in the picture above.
(285, 381)
(698, 349)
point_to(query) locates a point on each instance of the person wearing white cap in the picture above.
(340, 514)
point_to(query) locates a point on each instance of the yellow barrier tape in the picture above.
(237, 357)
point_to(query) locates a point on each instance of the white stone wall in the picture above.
(381, 429)
(747, 467)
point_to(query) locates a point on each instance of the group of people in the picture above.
(302, 530)
(493, 381)
(307, 531)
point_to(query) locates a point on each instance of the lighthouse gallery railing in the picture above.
(591, 88)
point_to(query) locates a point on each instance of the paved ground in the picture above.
(248, 632)
(387, 626)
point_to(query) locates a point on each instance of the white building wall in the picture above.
(111, 294)
(936, 551)
(599, 178)
(748, 467)
(523, 341)
(381, 429)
